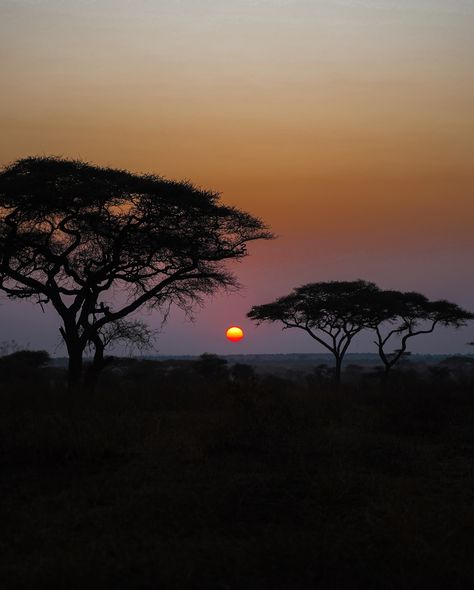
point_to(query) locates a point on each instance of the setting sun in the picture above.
(234, 333)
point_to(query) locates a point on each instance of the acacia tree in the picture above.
(73, 234)
(330, 312)
(398, 315)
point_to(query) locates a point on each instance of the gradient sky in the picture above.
(347, 125)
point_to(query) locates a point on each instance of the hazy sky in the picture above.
(347, 125)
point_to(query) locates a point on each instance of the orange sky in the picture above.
(346, 124)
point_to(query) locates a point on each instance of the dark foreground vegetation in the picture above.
(196, 475)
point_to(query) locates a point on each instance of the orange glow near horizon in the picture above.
(321, 118)
(346, 125)
(234, 334)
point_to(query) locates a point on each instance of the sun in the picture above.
(234, 333)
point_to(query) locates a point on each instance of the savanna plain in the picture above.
(207, 474)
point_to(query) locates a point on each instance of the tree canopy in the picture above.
(332, 313)
(404, 315)
(72, 234)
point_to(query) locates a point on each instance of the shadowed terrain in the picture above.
(201, 474)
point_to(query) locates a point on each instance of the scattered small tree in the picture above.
(32, 359)
(73, 234)
(9, 346)
(332, 313)
(23, 365)
(211, 367)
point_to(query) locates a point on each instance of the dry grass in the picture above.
(193, 483)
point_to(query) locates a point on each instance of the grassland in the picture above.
(203, 478)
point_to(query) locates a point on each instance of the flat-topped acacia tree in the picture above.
(332, 313)
(402, 316)
(73, 234)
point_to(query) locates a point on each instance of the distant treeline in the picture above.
(37, 370)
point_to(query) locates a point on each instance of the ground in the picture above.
(202, 483)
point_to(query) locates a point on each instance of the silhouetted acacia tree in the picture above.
(332, 313)
(398, 315)
(73, 234)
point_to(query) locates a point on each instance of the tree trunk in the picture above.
(386, 373)
(75, 351)
(74, 372)
(93, 371)
(338, 370)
